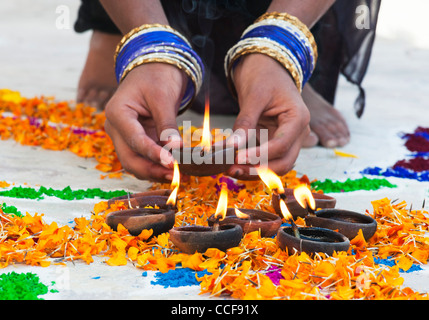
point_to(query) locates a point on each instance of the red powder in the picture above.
(418, 141)
(422, 130)
(417, 144)
(417, 164)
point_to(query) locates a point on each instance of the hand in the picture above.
(268, 99)
(145, 105)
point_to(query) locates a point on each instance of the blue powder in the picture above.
(178, 278)
(390, 262)
(419, 154)
(397, 172)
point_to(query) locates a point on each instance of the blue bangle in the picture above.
(282, 37)
(138, 44)
(290, 42)
(158, 43)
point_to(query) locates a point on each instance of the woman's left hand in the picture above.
(269, 100)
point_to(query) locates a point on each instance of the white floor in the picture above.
(38, 57)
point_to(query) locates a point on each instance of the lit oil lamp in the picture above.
(205, 159)
(274, 183)
(309, 240)
(252, 220)
(161, 198)
(345, 222)
(196, 238)
(150, 212)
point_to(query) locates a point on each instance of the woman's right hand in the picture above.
(144, 106)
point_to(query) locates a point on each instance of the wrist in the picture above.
(155, 43)
(260, 73)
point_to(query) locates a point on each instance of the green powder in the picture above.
(22, 286)
(329, 186)
(11, 210)
(64, 194)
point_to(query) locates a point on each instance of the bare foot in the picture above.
(97, 82)
(326, 122)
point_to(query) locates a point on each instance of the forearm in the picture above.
(308, 11)
(129, 14)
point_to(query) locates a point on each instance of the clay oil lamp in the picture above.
(158, 218)
(345, 222)
(205, 159)
(252, 220)
(273, 182)
(150, 198)
(196, 238)
(309, 239)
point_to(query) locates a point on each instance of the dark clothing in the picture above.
(214, 26)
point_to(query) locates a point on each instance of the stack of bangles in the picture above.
(277, 35)
(282, 37)
(152, 43)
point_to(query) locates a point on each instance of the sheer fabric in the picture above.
(344, 35)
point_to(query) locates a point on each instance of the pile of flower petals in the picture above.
(256, 269)
(44, 122)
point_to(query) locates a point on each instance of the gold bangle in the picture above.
(286, 63)
(144, 60)
(295, 21)
(136, 30)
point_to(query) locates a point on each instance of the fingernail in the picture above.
(167, 160)
(238, 172)
(168, 177)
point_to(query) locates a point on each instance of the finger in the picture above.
(244, 125)
(134, 163)
(166, 126)
(290, 129)
(163, 106)
(124, 122)
(279, 164)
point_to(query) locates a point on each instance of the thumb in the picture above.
(164, 118)
(167, 131)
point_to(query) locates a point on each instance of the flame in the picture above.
(176, 176)
(222, 203)
(206, 141)
(272, 180)
(285, 211)
(240, 214)
(175, 183)
(305, 198)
